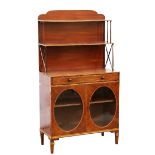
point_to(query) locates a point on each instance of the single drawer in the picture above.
(63, 80)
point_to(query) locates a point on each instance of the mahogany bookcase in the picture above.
(78, 93)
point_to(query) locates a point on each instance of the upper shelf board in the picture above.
(71, 21)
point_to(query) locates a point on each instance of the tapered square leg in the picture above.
(116, 137)
(102, 133)
(42, 138)
(52, 146)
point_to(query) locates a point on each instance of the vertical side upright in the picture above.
(109, 45)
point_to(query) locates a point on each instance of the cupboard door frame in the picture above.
(114, 124)
(56, 131)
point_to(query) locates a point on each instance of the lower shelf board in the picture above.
(46, 131)
(79, 104)
(102, 101)
(68, 105)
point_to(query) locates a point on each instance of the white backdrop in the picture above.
(133, 34)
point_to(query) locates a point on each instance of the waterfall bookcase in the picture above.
(79, 94)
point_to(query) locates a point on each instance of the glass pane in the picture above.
(102, 106)
(68, 109)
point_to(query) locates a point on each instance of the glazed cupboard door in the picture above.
(103, 106)
(67, 110)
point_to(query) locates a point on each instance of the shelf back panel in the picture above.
(85, 32)
(74, 58)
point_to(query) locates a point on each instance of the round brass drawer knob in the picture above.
(69, 80)
(102, 77)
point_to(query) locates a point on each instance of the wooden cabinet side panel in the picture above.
(45, 95)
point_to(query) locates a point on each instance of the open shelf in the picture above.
(74, 44)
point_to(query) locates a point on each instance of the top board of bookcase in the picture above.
(71, 16)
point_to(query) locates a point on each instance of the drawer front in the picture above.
(85, 79)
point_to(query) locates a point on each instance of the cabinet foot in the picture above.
(42, 138)
(102, 133)
(116, 137)
(52, 146)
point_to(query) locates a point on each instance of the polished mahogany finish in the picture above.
(78, 95)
